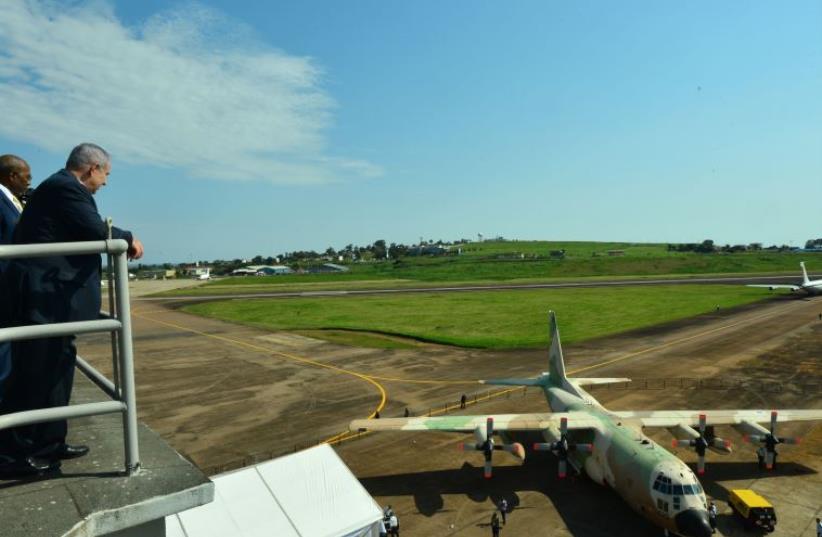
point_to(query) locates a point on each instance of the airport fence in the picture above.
(117, 322)
(475, 398)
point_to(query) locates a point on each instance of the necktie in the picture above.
(17, 203)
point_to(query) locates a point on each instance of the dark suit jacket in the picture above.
(8, 219)
(59, 288)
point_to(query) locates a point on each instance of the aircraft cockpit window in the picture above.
(678, 490)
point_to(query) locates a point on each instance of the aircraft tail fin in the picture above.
(556, 363)
(805, 278)
(556, 376)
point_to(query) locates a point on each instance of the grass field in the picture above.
(521, 262)
(517, 260)
(492, 319)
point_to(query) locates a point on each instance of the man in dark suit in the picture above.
(53, 290)
(15, 178)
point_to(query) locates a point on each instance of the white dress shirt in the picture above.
(14, 201)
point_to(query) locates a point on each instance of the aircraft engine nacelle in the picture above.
(594, 470)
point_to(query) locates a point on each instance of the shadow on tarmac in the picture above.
(573, 498)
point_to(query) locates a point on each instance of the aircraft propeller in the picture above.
(702, 442)
(770, 441)
(562, 447)
(485, 443)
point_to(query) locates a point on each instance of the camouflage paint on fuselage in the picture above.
(650, 479)
(629, 462)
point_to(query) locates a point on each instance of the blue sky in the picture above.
(242, 128)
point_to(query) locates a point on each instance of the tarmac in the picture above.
(227, 395)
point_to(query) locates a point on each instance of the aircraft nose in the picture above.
(693, 523)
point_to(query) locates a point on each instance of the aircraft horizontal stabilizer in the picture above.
(539, 381)
(597, 381)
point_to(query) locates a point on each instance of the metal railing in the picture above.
(117, 322)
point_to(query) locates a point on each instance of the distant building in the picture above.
(195, 271)
(161, 274)
(428, 249)
(262, 270)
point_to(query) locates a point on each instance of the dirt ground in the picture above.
(226, 395)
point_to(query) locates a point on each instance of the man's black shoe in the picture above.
(67, 451)
(26, 467)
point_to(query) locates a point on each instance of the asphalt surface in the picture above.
(227, 395)
(731, 280)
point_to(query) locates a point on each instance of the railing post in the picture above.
(112, 311)
(126, 356)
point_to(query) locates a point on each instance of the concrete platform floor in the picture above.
(224, 394)
(92, 495)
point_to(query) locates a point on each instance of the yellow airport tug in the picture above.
(756, 511)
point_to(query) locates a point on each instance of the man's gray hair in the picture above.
(85, 155)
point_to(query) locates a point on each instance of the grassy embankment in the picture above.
(482, 319)
(515, 261)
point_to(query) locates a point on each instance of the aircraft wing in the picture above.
(672, 418)
(775, 286)
(467, 424)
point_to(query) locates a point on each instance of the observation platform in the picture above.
(92, 495)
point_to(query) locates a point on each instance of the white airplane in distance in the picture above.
(812, 287)
(205, 275)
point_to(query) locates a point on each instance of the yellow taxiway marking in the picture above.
(347, 435)
(366, 378)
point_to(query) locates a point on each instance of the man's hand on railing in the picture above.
(135, 251)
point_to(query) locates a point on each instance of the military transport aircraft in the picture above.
(812, 287)
(611, 446)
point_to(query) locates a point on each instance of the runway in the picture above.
(729, 280)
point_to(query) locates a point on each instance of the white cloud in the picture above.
(188, 89)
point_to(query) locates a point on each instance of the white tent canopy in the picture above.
(311, 493)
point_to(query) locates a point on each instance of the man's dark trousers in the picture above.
(50, 365)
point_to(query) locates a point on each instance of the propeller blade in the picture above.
(585, 448)
(753, 438)
(563, 426)
(769, 460)
(468, 446)
(703, 420)
(681, 443)
(773, 421)
(542, 446)
(563, 468)
(795, 440)
(487, 468)
(700, 465)
(489, 427)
